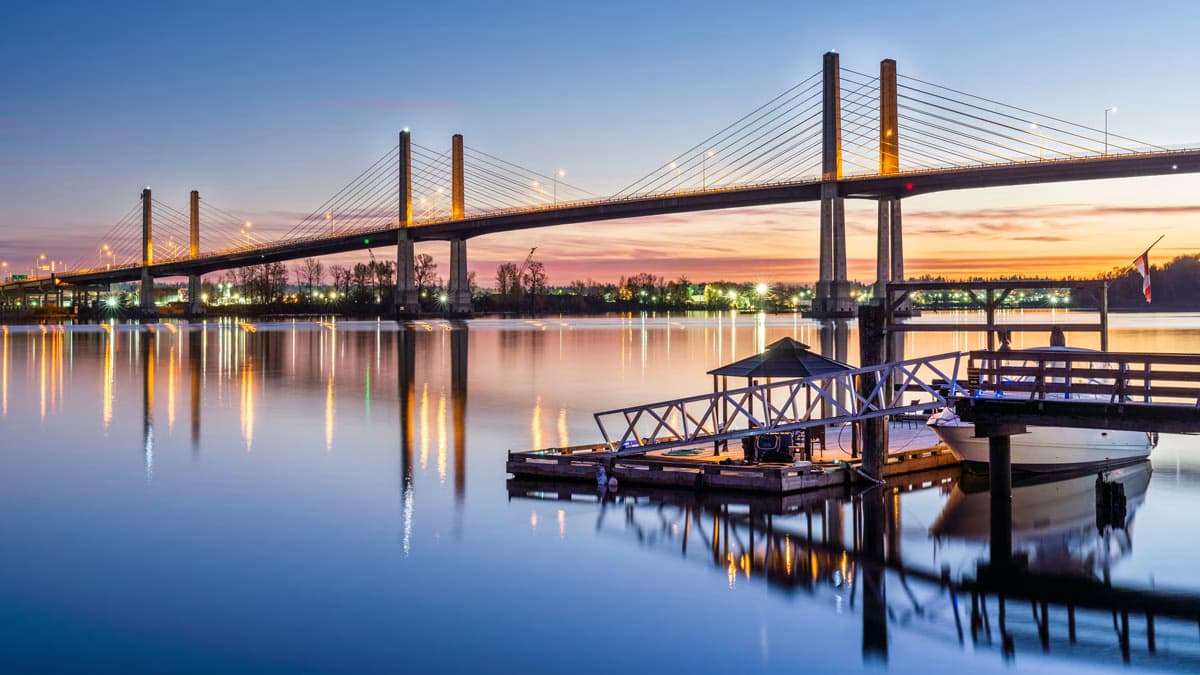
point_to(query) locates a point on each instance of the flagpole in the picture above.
(1134, 261)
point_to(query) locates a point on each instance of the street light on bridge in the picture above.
(704, 170)
(1113, 110)
(557, 174)
(1035, 127)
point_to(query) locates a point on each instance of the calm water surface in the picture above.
(332, 497)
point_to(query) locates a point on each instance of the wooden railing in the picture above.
(1109, 377)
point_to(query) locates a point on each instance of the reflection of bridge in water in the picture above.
(833, 543)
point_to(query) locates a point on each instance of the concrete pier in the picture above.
(459, 291)
(407, 302)
(833, 290)
(146, 301)
(195, 305)
(889, 163)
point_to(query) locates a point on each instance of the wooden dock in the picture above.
(911, 449)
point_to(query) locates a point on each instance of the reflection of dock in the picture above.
(830, 542)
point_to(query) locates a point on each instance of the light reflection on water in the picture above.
(247, 497)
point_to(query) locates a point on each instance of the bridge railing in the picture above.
(787, 405)
(1109, 377)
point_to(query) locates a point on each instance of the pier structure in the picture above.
(659, 443)
(990, 296)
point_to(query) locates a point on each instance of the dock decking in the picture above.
(911, 449)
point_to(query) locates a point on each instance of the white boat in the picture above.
(1045, 449)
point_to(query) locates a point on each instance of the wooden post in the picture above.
(990, 309)
(716, 444)
(872, 346)
(1104, 317)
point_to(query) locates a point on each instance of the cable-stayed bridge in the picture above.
(837, 134)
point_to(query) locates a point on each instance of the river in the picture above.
(331, 497)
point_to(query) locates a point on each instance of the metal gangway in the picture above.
(788, 405)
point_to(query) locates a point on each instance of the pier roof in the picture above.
(784, 358)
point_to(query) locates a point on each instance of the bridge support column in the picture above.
(897, 241)
(883, 251)
(406, 299)
(195, 305)
(146, 304)
(460, 290)
(833, 290)
(890, 254)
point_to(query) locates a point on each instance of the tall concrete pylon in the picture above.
(146, 303)
(833, 290)
(407, 301)
(460, 291)
(889, 163)
(195, 306)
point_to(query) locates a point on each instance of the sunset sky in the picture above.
(268, 108)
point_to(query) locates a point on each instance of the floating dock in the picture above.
(912, 448)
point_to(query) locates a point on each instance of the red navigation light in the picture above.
(908, 186)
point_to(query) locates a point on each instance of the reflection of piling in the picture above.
(873, 574)
(406, 365)
(146, 355)
(195, 372)
(459, 340)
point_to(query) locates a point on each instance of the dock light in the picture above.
(732, 294)
(761, 288)
(442, 297)
(111, 301)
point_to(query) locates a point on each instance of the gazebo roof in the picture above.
(785, 358)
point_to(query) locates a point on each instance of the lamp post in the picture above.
(1034, 126)
(557, 174)
(1111, 109)
(704, 170)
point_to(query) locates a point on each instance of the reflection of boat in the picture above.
(1044, 448)
(1054, 521)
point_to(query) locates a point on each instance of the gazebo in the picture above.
(786, 359)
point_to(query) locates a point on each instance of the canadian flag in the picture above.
(1142, 265)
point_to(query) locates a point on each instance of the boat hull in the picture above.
(1046, 449)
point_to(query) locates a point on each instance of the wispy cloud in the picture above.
(411, 104)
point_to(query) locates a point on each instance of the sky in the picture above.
(267, 108)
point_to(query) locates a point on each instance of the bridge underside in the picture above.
(866, 187)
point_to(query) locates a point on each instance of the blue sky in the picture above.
(268, 107)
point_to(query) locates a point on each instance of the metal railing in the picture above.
(789, 405)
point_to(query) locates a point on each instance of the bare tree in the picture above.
(506, 279)
(312, 273)
(424, 271)
(534, 278)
